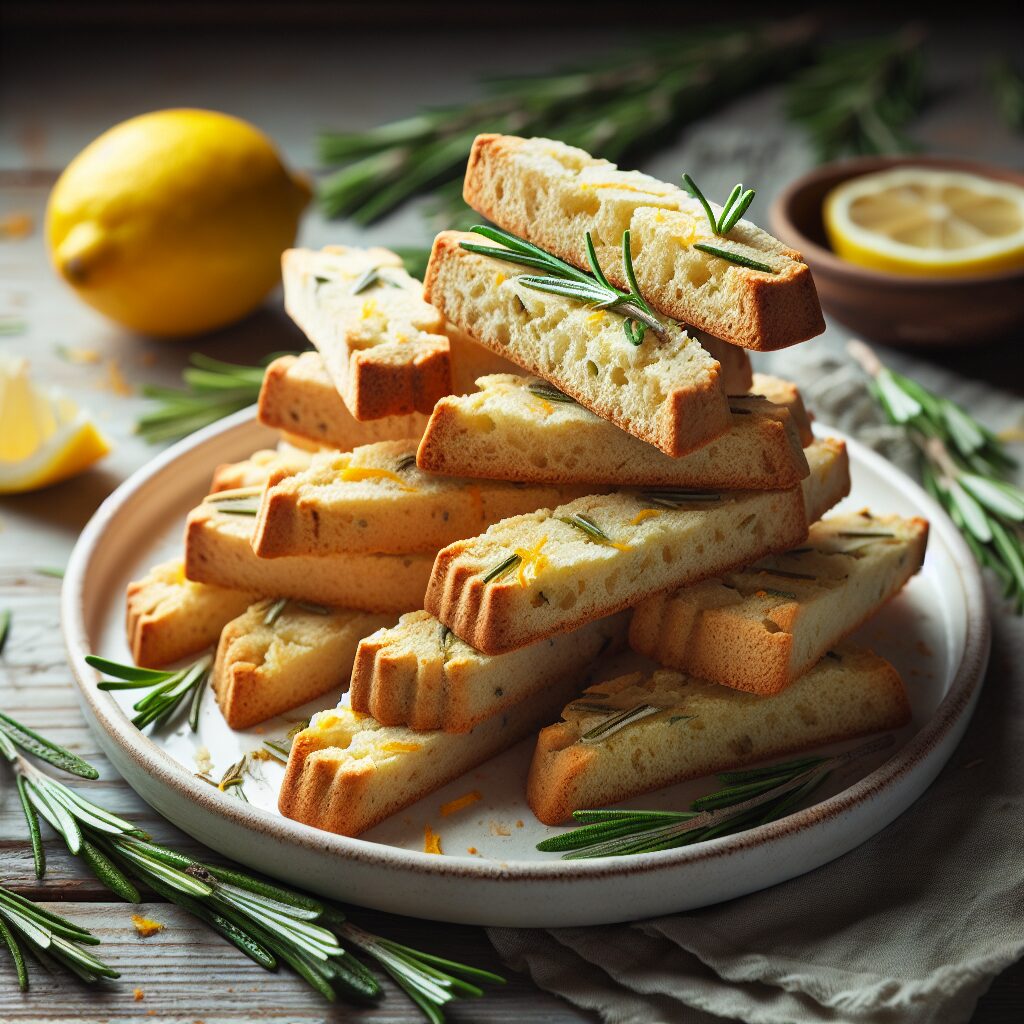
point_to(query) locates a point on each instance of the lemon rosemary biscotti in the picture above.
(829, 479)
(552, 194)
(169, 616)
(278, 654)
(218, 549)
(260, 467)
(382, 344)
(375, 499)
(761, 627)
(787, 394)
(419, 674)
(646, 731)
(347, 772)
(667, 390)
(522, 428)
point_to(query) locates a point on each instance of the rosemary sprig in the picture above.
(505, 566)
(167, 690)
(50, 936)
(746, 799)
(281, 748)
(240, 501)
(5, 628)
(735, 206)
(964, 466)
(612, 724)
(858, 97)
(268, 922)
(733, 257)
(549, 393)
(561, 278)
(676, 497)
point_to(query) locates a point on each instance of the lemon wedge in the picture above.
(44, 436)
(925, 221)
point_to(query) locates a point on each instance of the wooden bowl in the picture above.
(898, 309)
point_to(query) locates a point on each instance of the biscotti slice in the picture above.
(278, 654)
(829, 480)
(376, 499)
(218, 550)
(645, 731)
(552, 194)
(169, 616)
(667, 391)
(299, 396)
(520, 428)
(260, 467)
(787, 394)
(760, 628)
(347, 772)
(735, 368)
(420, 674)
(382, 344)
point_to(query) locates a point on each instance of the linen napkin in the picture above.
(910, 927)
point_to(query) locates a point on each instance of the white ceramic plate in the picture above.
(936, 633)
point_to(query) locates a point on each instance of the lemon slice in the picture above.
(920, 220)
(44, 436)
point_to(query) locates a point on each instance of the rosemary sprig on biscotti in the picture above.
(269, 923)
(735, 206)
(964, 466)
(167, 690)
(561, 278)
(747, 798)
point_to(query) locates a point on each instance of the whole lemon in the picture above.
(174, 222)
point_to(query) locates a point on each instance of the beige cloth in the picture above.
(909, 928)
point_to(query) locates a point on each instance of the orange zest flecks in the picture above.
(431, 841)
(531, 562)
(500, 278)
(619, 546)
(597, 317)
(146, 926)
(398, 747)
(355, 474)
(369, 309)
(460, 803)
(647, 513)
(544, 407)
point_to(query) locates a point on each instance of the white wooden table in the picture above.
(290, 85)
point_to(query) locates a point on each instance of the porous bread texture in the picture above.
(666, 391)
(169, 616)
(787, 394)
(348, 772)
(762, 627)
(264, 669)
(419, 674)
(259, 467)
(383, 345)
(551, 194)
(508, 432)
(299, 396)
(556, 576)
(829, 479)
(218, 550)
(702, 728)
(375, 499)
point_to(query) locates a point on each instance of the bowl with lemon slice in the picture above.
(912, 250)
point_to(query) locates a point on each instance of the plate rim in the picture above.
(963, 691)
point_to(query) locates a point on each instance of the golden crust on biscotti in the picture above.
(508, 431)
(761, 627)
(298, 396)
(829, 480)
(376, 499)
(786, 394)
(702, 728)
(421, 675)
(382, 344)
(169, 617)
(261, 466)
(264, 668)
(551, 194)
(218, 550)
(666, 391)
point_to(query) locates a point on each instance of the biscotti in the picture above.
(644, 731)
(829, 479)
(375, 499)
(520, 428)
(382, 344)
(761, 627)
(419, 674)
(347, 772)
(667, 391)
(787, 394)
(218, 550)
(279, 654)
(169, 616)
(260, 467)
(551, 194)
(299, 396)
